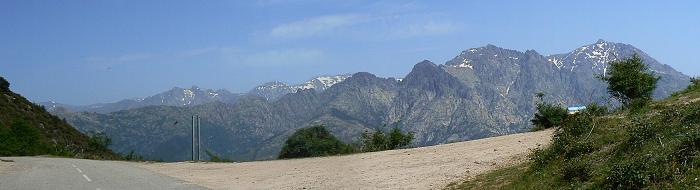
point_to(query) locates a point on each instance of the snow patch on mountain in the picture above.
(274, 90)
(464, 64)
(597, 55)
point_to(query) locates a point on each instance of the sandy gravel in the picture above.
(6, 165)
(418, 168)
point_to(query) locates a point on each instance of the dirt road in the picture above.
(418, 168)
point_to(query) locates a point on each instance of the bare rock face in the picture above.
(482, 92)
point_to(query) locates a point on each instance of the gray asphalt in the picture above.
(63, 173)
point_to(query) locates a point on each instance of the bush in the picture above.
(132, 156)
(577, 149)
(378, 141)
(639, 131)
(311, 142)
(541, 157)
(688, 152)
(4, 85)
(548, 116)
(595, 109)
(576, 170)
(20, 140)
(694, 84)
(397, 139)
(629, 81)
(628, 175)
(375, 141)
(98, 142)
(216, 158)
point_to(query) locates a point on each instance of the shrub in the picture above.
(577, 149)
(375, 141)
(311, 142)
(20, 140)
(132, 156)
(216, 158)
(694, 84)
(687, 153)
(576, 125)
(6, 141)
(397, 139)
(639, 131)
(628, 175)
(595, 109)
(629, 81)
(576, 170)
(378, 141)
(548, 116)
(540, 157)
(4, 85)
(99, 141)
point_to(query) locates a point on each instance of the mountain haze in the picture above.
(173, 97)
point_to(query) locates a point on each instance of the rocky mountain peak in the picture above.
(424, 64)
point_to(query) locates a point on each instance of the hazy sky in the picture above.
(82, 52)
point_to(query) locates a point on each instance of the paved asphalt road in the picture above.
(63, 173)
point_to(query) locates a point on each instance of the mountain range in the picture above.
(482, 92)
(195, 96)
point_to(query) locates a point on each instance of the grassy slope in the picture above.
(655, 148)
(56, 136)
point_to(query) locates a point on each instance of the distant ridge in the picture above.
(482, 92)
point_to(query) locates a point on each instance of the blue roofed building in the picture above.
(575, 109)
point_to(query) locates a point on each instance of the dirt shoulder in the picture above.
(418, 168)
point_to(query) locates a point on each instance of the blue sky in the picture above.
(82, 52)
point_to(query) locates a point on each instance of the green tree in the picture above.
(548, 116)
(20, 140)
(397, 139)
(6, 141)
(378, 141)
(313, 141)
(99, 141)
(375, 141)
(694, 84)
(629, 81)
(4, 85)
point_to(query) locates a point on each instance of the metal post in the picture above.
(199, 139)
(193, 138)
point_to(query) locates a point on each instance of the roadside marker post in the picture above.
(196, 138)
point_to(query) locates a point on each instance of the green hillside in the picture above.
(654, 147)
(26, 129)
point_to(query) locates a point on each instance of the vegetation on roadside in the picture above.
(311, 142)
(213, 157)
(548, 115)
(27, 129)
(317, 141)
(379, 141)
(20, 140)
(646, 146)
(630, 82)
